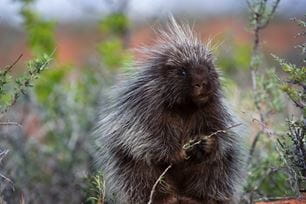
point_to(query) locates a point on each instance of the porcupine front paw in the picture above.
(201, 150)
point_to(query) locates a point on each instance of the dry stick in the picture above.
(188, 145)
(11, 123)
(157, 182)
(8, 68)
(192, 143)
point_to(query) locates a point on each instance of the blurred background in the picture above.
(77, 29)
(57, 57)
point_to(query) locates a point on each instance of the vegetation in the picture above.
(293, 143)
(47, 113)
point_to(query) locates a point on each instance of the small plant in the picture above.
(96, 189)
(293, 85)
(53, 160)
(11, 88)
(267, 177)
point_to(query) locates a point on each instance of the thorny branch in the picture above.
(187, 146)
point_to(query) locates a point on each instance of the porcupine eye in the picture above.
(182, 72)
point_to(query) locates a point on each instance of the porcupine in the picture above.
(174, 96)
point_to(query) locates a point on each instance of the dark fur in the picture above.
(154, 113)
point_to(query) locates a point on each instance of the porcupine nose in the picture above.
(199, 84)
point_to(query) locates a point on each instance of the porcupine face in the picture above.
(189, 75)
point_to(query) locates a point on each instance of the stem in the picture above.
(11, 123)
(254, 143)
(7, 69)
(157, 182)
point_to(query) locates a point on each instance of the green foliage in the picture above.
(295, 83)
(295, 74)
(113, 53)
(293, 142)
(234, 57)
(64, 102)
(301, 23)
(27, 2)
(269, 175)
(6, 98)
(96, 189)
(114, 24)
(47, 84)
(11, 88)
(292, 146)
(261, 13)
(268, 93)
(54, 161)
(111, 49)
(40, 35)
(267, 178)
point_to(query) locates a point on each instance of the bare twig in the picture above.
(194, 142)
(157, 182)
(8, 68)
(254, 143)
(11, 123)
